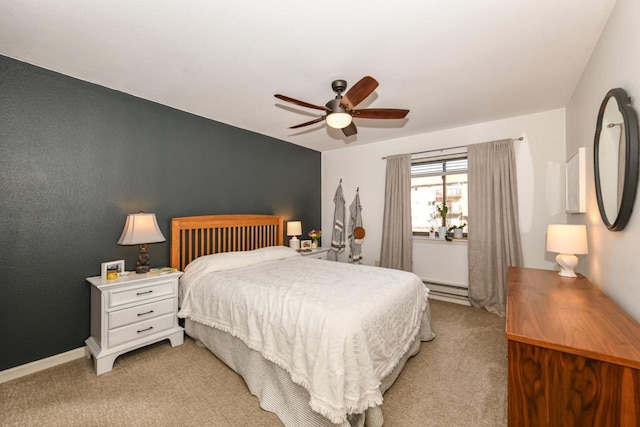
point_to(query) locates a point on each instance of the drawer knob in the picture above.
(148, 312)
(147, 329)
(145, 292)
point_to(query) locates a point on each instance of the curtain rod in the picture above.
(450, 148)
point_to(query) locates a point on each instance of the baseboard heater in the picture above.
(447, 290)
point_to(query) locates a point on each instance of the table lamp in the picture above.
(140, 229)
(567, 240)
(294, 228)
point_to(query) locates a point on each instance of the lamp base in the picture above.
(142, 266)
(567, 264)
(142, 269)
(294, 243)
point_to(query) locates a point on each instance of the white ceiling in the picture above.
(451, 63)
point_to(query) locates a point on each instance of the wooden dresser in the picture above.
(574, 354)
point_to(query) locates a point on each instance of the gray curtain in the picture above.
(494, 233)
(397, 244)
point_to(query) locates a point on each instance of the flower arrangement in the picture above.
(315, 234)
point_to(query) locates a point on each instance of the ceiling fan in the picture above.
(340, 111)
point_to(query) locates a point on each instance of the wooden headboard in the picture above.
(195, 236)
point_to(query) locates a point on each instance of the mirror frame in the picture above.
(630, 183)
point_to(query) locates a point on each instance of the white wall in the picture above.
(540, 161)
(612, 263)
(451, 269)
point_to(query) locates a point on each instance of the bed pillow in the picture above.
(232, 260)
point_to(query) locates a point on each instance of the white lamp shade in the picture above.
(567, 239)
(139, 229)
(294, 228)
(339, 120)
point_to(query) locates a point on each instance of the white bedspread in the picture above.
(337, 328)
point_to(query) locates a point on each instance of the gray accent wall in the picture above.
(76, 158)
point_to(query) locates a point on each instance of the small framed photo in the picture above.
(305, 244)
(111, 269)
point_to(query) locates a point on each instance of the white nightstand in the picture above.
(131, 312)
(320, 253)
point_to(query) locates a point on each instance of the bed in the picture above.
(317, 342)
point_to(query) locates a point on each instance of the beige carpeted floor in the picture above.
(459, 379)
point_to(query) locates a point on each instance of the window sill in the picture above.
(424, 239)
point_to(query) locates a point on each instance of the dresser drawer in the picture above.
(140, 312)
(142, 293)
(132, 332)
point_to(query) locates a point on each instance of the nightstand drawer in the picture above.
(142, 293)
(320, 253)
(140, 312)
(141, 329)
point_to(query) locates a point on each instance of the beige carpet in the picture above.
(459, 379)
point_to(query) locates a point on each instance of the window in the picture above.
(433, 181)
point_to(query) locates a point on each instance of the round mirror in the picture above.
(616, 159)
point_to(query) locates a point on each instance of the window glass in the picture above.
(431, 183)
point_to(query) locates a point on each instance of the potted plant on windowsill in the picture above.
(457, 230)
(433, 225)
(442, 210)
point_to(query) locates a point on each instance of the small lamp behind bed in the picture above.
(140, 229)
(294, 228)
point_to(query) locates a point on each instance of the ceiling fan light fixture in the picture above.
(339, 120)
(341, 109)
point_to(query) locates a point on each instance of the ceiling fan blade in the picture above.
(319, 119)
(350, 130)
(380, 113)
(359, 92)
(300, 103)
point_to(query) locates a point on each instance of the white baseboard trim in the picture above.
(42, 364)
(446, 298)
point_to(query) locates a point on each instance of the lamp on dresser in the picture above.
(567, 240)
(141, 229)
(294, 229)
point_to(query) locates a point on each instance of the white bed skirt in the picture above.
(273, 386)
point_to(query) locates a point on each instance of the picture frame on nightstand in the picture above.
(111, 269)
(305, 244)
